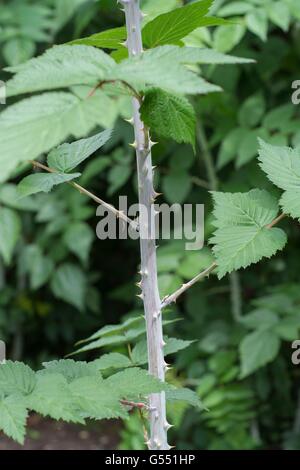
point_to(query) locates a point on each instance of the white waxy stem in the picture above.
(151, 298)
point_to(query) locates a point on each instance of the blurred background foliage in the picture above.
(58, 283)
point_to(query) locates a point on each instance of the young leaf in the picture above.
(67, 156)
(171, 116)
(13, 415)
(16, 377)
(258, 349)
(170, 27)
(10, 229)
(43, 182)
(242, 236)
(108, 39)
(282, 166)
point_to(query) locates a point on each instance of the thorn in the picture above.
(148, 443)
(171, 447)
(166, 364)
(139, 284)
(156, 195)
(153, 168)
(163, 344)
(151, 144)
(143, 15)
(140, 296)
(133, 145)
(167, 368)
(168, 426)
(130, 121)
(155, 212)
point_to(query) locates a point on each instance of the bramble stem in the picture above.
(149, 285)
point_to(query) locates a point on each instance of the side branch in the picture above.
(119, 214)
(169, 299)
(173, 298)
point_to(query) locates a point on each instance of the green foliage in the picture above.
(43, 182)
(173, 116)
(171, 27)
(282, 166)
(243, 236)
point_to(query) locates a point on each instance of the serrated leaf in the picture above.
(69, 284)
(174, 25)
(10, 230)
(37, 124)
(13, 415)
(257, 22)
(242, 236)
(282, 167)
(163, 67)
(131, 383)
(16, 377)
(171, 116)
(60, 67)
(108, 39)
(96, 399)
(71, 369)
(112, 361)
(258, 349)
(52, 397)
(184, 394)
(43, 182)
(66, 157)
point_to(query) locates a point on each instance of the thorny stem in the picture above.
(150, 292)
(82, 190)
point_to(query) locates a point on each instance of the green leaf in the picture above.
(16, 377)
(79, 238)
(163, 67)
(131, 383)
(247, 148)
(52, 397)
(10, 230)
(257, 23)
(18, 50)
(260, 319)
(43, 182)
(282, 167)
(112, 361)
(13, 415)
(69, 284)
(184, 394)
(176, 186)
(258, 349)
(10, 197)
(39, 267)
(242, 236)
(174, 25)
(252, 110)
(230, 146)
(66, 157)
(108, 39)
(171, 116)
(35, 125)
(60, 67)
(279, 14)
(173, 345)
(227, 37)
(70, 369)
(96, 399)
